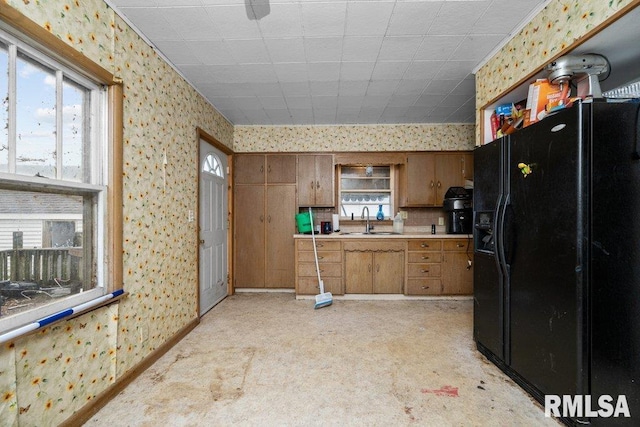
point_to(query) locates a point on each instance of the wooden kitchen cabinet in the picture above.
(264, 228)
(316, 180)
(265, 168)
(426, 177)
(329, 262)
(424, 267)
(457, 272)
(374, 267)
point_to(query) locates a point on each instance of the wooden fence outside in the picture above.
(41, 266)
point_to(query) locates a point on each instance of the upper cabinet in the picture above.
(316, 180)
(426, 177)
(265, 168)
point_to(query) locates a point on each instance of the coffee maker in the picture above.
(458, 204)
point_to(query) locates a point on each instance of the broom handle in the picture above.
(315, 253)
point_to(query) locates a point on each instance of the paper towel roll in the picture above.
(336, 222)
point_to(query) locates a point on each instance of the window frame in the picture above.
(107, 123)
(392, 191)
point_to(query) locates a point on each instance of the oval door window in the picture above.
(212, 165)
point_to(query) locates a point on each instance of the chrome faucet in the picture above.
(367, 227)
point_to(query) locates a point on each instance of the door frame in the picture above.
(209, 139)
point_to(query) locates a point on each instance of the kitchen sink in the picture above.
(371, 233)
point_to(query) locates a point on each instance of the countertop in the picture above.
(407, 235)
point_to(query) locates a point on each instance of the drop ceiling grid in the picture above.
(332, 61)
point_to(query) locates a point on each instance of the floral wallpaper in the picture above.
(553, 31)
(45, 377)
(354, 138)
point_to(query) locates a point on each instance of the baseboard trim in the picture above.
(86, 412)
(391, 297)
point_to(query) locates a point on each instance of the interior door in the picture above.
(213, 226)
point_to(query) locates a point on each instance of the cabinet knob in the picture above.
(431, 184)
(424, 245)
(261, 218)
(269, 169)
(261, 168)
(424, 287)
(425, 257)
(425, 271)
(369, 267)
(312, 185)
(320, 257)
(269, 218)
(439, 184)
(377, 268)
(460, 245)
(319, 245)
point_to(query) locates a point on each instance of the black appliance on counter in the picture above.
(458, 204)
(556, 283)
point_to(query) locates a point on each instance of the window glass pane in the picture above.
(4, 109)
(42, 256)
(365, 186)
(35, 119)
(74, 99)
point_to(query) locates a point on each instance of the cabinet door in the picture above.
(449, 173)
(249, 168)
(457, 278)
(306, 180)
(325, 194)
(249, 236)
(467, 172)
(420, 179)
(358, 274)
(388, 272)
(281, 169)
(280, 228)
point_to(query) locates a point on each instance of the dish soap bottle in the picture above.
(380, 214)
(398, 224)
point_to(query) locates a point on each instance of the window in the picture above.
(53, 184)
(212, 165)
(366, 186)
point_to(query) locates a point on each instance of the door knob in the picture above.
(202, 241)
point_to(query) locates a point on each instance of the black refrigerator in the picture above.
(557, 255)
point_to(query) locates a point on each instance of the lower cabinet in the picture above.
(374, 268)
(424, 267)
(457, 273)
(329, 263)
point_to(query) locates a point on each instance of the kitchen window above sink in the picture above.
(369, 186)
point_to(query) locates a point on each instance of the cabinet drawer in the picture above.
(374, 246)
(425, 245)
(424, 287)
(456, 245)
(424, 270)
(325, 245)
(329, 269)
(425, 257)
(323, 256)
(309, 285)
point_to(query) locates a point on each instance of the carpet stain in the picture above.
(446, 390)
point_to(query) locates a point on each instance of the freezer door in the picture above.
(545, 230)
(488, 282)
(615, 253)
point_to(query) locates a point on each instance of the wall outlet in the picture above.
(191, 216)
(404, 214)
(441, 220)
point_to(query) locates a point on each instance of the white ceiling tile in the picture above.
(329, 88)
(438, 47)
(266, 89)
(122, 4)
(458, 17)
(399, 48)
(252, 73)
(197, 74)
(286, 50)
(361, 49)
(370, 114)
(174, 3)
(291, 72)
(350, 101)
(295, 89)
(324, 116)
(348, 115)
(353, 88)
(213, 52)
(466, 86)
(412, 18)
(389, 70)
(232, 22)
(301, 116)
(324, 102)
(500, 20)
(227, 89)
(368, 18)
(283, 21)
(323, 19)
(454, 100)
(324, 71)
(406, 87)
(178, 52)
(323, 49)
(476, 47)
(251, 51)
(298, 102)
(441, 87)
(356, 71)
(151, 22)
(257, 116)
(247, 102)
(375, 101)
(403, 100)
(421, 70)
(382, 87)
(272, 102)
(191, 23)
(279, 117)
(428, 100)
(455, 70)
(216, 2)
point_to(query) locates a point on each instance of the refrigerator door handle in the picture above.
(500, 250)
(497, 232)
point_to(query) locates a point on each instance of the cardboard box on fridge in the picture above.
(541, 93)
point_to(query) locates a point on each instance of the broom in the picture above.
(323, 299)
